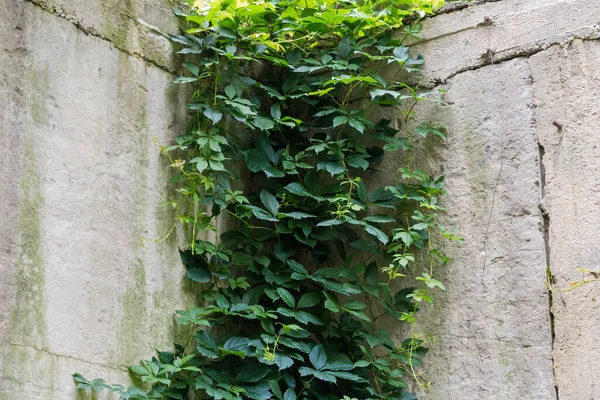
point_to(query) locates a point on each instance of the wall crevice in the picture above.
(546, 235)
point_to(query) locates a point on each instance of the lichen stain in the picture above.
(38, 92)
(27, 323)
(478, 169)
(132, 326)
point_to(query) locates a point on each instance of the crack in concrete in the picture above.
(91, 31)
(491, 57)
(546, 235)
(121, 368)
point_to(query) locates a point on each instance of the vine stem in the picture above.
(306, 386)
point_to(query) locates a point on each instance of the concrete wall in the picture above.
(524, 194)
(84, 87)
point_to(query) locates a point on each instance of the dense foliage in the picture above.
(285, 94)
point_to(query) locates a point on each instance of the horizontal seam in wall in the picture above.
(87, 32)
(518, 52)
(119, 368)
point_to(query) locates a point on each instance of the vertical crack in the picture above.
(546, 234)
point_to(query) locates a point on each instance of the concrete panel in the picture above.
(490, 332)
(566, 86)
(139, 27)
(461, 40)
(83, 287)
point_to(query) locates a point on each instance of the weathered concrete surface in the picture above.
(461, 40)
(490, 332)
(138, 27)
(80, 184)
(566, 87)
(80, 181)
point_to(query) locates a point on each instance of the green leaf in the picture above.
(318, 357)
(331, 222)
(252, 373)
(299, 215)
(263, 123)
(289, 394)
(333, 167)
(199, 275)
(185, 79)
(206, 344)
(269, 201)
(255, 161)
(230, 92)
(382, 237)
(358, 161)
(331, 303)
(213, 114)
(379, 219)
(241, 258)
(354, 305)
(287, 297)
(342, 119)
(310, 300)
(194, 69)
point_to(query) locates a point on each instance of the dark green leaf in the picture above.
(318, 357)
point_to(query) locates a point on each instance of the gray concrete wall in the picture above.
(524, 194)
(84, 87)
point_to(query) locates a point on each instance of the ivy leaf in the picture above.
(241, 258)
(255, 161)
(269, 201)
(213, 114)
(318, 357)
(333, 167)
(354, 305)
(331, 303)
(272, 172)
(357, 124)
(358, 161)
(206, 344)
(379, 234)
(263, 123)
(342, 119)
(287, 297)
(381, 219)
(289, 394)
(236, 343)
(252, 373)
(230, 92)
(199, 275)
(283, 361)
(185, 79)
(309, 300)
(194, 69)
(331, 222)
(262, 391)
(298, 215)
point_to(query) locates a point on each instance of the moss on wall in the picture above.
(27, 323)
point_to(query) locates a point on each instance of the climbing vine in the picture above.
(284, 141)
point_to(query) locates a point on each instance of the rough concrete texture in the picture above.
(566, 88)
(490, 333)
(533, 64)
(80, 185)
(138, 27)
(464, 39)
(84, 88)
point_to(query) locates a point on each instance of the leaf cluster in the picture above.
(285, 94)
